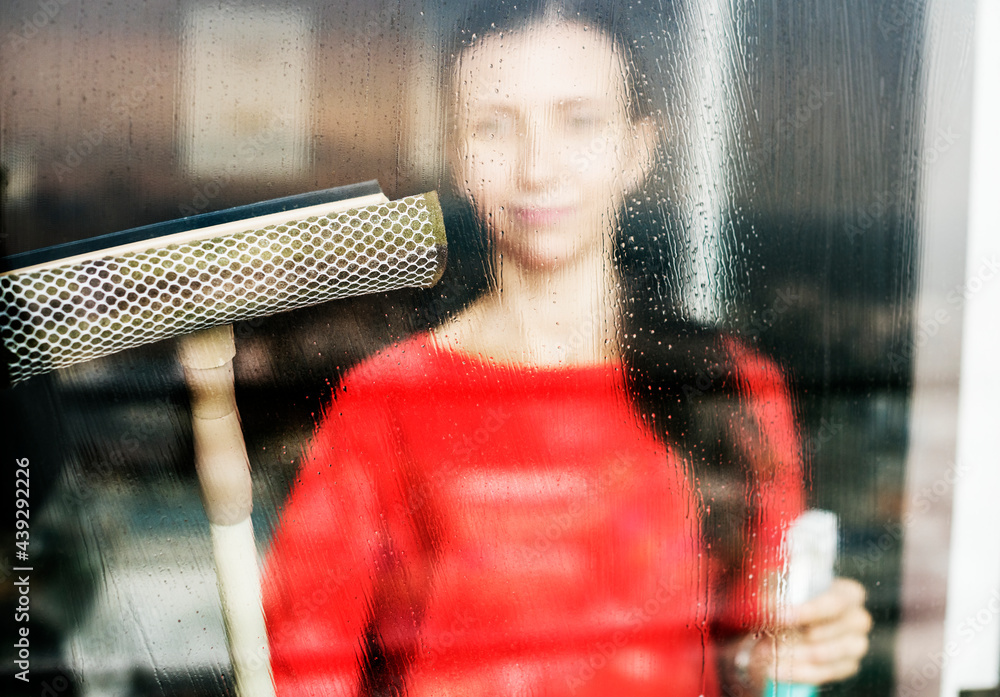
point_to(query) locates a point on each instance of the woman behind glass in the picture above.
(525, 499)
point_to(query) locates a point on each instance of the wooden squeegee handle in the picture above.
(224, 474)
(219, 451)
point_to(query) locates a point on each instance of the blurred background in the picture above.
(801, 174)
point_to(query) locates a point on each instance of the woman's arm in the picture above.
(824, 639)
(319, 580)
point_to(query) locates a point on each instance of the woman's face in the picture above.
(545, 145)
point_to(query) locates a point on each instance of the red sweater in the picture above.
(507, 530)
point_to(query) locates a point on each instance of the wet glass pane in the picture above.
(680, 309)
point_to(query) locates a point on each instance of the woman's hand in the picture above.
(820, 641)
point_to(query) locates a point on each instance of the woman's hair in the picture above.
(484, 19)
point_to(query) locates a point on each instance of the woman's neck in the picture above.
(545, 316)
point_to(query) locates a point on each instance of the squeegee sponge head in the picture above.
(57, 315)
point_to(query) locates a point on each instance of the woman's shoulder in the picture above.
(366, 395)
(415, 358)
(755, 371)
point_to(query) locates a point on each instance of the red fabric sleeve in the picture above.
(768, 436)
(319, 586)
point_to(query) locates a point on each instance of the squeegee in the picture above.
(191, 278)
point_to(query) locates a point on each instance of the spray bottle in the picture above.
(811, 548)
